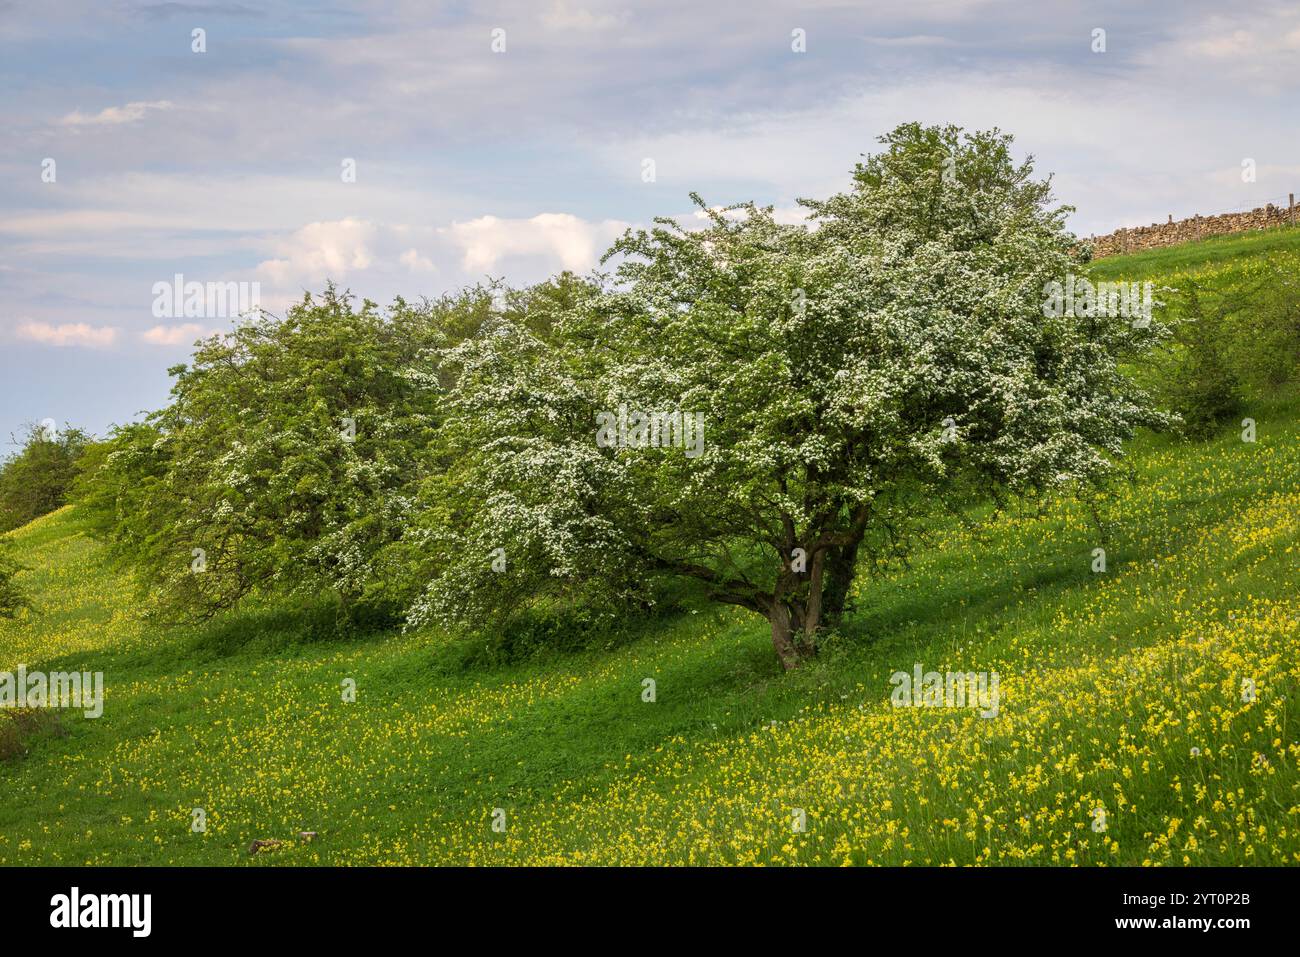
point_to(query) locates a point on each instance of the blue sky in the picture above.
(226, 165)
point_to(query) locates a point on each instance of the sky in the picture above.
(409, 149)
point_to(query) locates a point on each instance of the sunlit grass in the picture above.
(1108, 681)
(1121, 691)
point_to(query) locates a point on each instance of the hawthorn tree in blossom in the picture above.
(852, 372)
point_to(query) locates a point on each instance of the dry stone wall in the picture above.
(1186, 230)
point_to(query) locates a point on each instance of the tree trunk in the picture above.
(782, 641)
(841, 562)
(809, 618)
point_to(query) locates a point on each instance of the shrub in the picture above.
(36, 480)
(1201, 385)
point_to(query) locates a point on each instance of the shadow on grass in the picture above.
(263, 631)
(541, 637)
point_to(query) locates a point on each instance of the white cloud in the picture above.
(413, 261)
(1119, 167)
(319, 251)
(381, 259)
(78, 222)
(1236, 44)
(573, 243)
(1228, 56)
(183, 334)
(115, 115)
(914, 40)
(67, 334)
(563, 16)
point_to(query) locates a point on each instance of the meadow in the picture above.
(1148, 712)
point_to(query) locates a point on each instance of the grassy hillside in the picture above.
(1120, 690)
(1217, 251)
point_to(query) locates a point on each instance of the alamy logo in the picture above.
(660, 430)
(952, 689)
(1080, 298)
(103, 910)
(179, 299)
(57, 689)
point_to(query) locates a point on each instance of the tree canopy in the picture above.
(748, 407)
(850, 374)
(37, 479)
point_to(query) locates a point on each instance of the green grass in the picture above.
(1120, 690)
(1215, 251)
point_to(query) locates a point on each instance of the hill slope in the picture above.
(1120, 690)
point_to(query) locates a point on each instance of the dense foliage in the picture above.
(849, 375)
(291, 457)
(744, 407)
(280, 465)
(1236, 333)
(36, 480)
